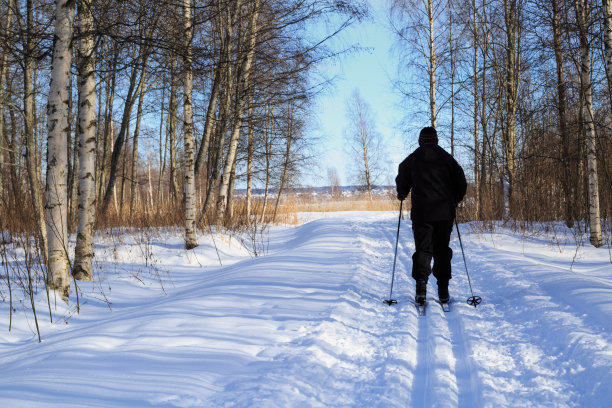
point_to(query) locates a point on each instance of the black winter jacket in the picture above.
(436, 180)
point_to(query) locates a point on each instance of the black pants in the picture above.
(431, 241)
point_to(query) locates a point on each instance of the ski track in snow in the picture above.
(305, 326)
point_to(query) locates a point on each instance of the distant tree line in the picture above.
(531, 82)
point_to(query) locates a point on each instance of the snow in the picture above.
(304, 325)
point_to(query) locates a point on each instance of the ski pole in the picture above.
(392, 301)
(474, 300)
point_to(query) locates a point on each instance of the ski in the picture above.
(421, 308)
(446, 306)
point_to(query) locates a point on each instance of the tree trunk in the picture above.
(84, 251)
(250, 151)
(483, 187)
(172, 131)
(57, 126)
(30, 157)
(162, 150)
(586, 86)
(134, 175)
(210, 120)
(211, 185)
(561, 109)
(269, 134)
(432, 65)
(190, 196)
(607, 14)
(477, 174)
(108, 122)
(120, 140)
(512, 76)
(3, 73)
(242, 93)
(283, 179)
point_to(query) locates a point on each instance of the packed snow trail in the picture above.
(305, 325)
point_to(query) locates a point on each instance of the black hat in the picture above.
(428, 135)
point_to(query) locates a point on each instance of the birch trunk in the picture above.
(30, 142)
(269, 134)
(363, 130)
(586, 86)
(3, 73)
(509, 142)
(190, 196)
(241, 96)
(607, 14)
(57, 126)
(134, 175)
(218, 156)
(162, 149)
(283, 179)
(108, 123)
(561, 109)
(172, 131)
(124, 129)
(250, 151)
(227, 21)
(84, 251)
(476, 111)
(210, 120)
(432, 65)
(452, 57)
(483, 112)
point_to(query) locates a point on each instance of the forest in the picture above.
(149, 113)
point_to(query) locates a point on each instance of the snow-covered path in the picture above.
(305, 326)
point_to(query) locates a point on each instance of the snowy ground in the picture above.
(305, 326)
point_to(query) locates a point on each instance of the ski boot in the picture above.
(443, 295)
(421, 292)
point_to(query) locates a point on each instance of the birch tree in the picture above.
(362, 141)
(3, 74)
(190, 199)
(84, 252)
(414, 23)
(241, 99)
(562, 111)
(583, 16)
(57, 161)
(607, 17)
(512, 19)
(29, 124)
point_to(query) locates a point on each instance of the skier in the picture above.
(438, 185)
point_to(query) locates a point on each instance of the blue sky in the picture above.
(370, 71)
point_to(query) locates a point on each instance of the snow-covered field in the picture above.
(305, 326)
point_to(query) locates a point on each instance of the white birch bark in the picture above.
(84, 252)
(172, 131)
(432, 65)
(283, 179)
(134, 175)
(476, 109)
(57, 161)
(3, 72)
(33, 169)
(607, 14)
(242, 95)
(190, 196)
(512, 73)
(586, 85)
(250, 151)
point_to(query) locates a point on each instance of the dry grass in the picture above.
(293, 204)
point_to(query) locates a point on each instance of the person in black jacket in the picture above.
(438, 184)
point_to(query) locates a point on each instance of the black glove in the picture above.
(401, 197)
